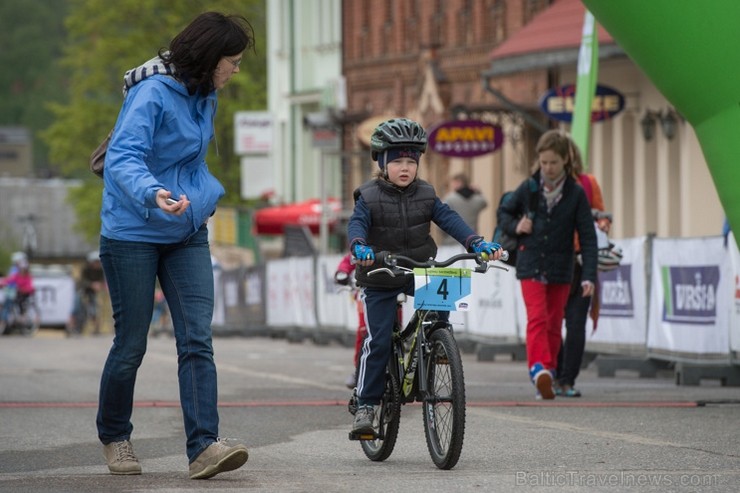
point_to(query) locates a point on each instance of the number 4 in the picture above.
(442, 290)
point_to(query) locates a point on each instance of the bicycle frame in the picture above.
(409, 345)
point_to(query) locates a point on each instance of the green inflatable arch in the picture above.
(691, 51)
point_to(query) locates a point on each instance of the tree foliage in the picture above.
(107, 38)
(31, 34)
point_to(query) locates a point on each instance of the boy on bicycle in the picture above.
(393, 213)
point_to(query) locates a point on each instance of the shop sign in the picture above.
(253, 132)
(558, 103)
(465, 138)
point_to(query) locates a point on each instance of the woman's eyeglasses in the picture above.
(235, 63)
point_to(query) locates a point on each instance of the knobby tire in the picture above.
(444, 404)
(388, 417)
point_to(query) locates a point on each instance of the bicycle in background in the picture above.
(425, 364)
(23, 316)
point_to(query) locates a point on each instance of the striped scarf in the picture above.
(151, 67)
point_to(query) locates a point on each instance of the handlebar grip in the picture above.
(504, 255)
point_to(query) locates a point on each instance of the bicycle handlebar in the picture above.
(392, 261)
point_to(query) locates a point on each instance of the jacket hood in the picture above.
(155, 66)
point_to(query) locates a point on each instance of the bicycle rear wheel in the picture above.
(388, 418)
(444, 402)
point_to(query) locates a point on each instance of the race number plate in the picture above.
(442, 288)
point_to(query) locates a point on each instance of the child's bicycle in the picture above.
(23, 317)
(424, 366)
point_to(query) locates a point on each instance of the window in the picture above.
(493, 21)
(411, 32)
(534, 7)
(437, 24)
(386, 34)
(465, 34)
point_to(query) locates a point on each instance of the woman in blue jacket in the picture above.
(157, 199)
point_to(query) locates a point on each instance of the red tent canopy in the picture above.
(271, 220)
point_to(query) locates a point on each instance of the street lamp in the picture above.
(648, 125)
(668, 123)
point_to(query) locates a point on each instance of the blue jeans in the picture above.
(186, 277)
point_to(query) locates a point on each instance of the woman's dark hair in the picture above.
(196, 51)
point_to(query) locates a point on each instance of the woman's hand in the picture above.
(164, 198)
(588, 288)
(524, 226)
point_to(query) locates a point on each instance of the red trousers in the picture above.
(545, 305)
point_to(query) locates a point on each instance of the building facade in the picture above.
(305, 87)
(493, 60)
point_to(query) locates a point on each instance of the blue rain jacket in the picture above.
(159, 141)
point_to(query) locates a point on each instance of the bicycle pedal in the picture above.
(353, 435)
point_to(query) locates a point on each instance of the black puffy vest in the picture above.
(401, 224)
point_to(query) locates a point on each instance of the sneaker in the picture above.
(542, 379)
(557, 388)
(364, 418)
(217, 458)
(569, 391)
(120, 458)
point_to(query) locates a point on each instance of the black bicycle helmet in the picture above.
(398, 132)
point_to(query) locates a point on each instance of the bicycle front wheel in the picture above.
(444, 402)
(30, 320)
(388, 418)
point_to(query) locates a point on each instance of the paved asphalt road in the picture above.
(287, 402)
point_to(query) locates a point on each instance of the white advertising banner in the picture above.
(55, 297)
(494, 305)
(219, 307)
(290, 292)
(336, 305)
(690, 298)
(623, 300)
(735, 296)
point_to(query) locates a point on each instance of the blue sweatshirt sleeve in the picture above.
(359, 224)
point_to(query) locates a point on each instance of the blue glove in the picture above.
(481, 246)
(363, 252)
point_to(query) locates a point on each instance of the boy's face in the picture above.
(402, 171)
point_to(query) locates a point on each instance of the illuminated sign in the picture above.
(558, 103)
(465, 138)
